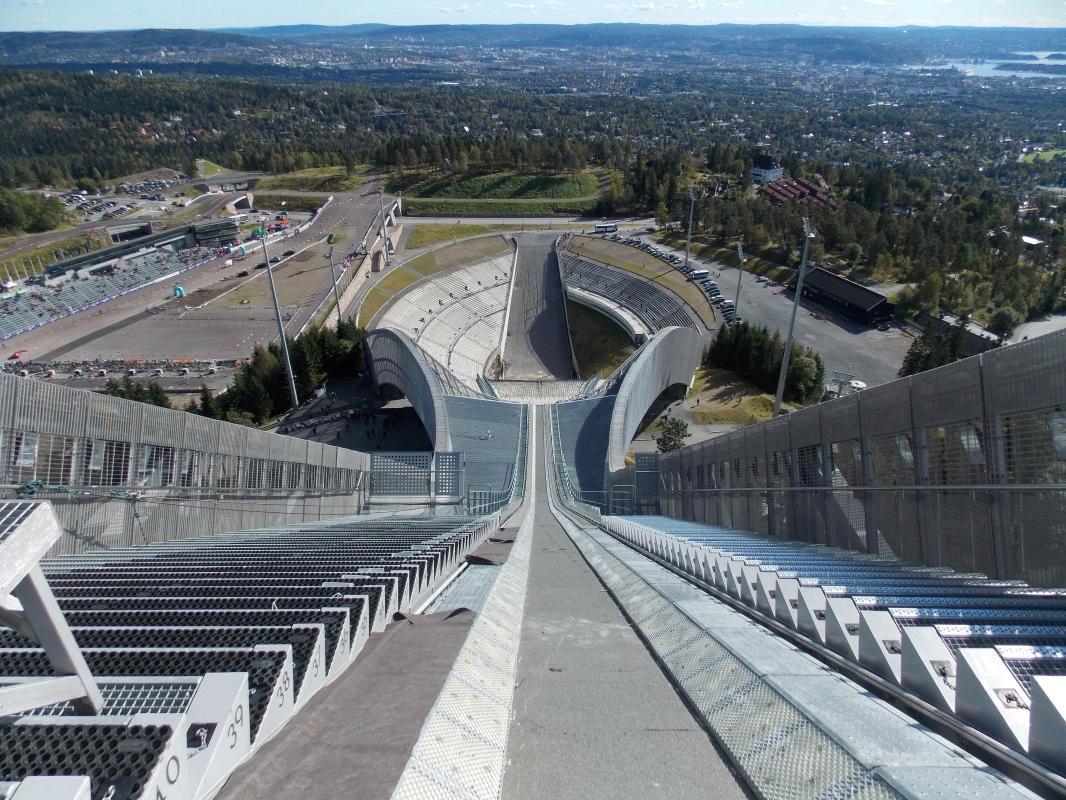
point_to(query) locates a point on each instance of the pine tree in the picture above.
(672, 436)
(208, 404)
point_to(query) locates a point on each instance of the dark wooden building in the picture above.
(846, 296)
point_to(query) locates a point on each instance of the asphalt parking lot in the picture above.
(870, 355)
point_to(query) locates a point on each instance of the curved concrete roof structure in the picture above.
(670, 357)
(394, 358)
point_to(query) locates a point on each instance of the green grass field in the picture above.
(418, 206)
(211, 168)
(1046, 155)
(509, 186)
(425, 235)
(504, 194)
(316, 179)
(600, 345)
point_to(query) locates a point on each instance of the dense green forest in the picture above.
(963, 249)
(753, 353)
(937, 208)
(260, 389)
(20, 211)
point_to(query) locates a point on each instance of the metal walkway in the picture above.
(594, 716)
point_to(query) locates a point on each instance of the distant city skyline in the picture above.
(77, 15)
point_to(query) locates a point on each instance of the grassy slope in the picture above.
(1046, 155)
(727, 255)
(600, 345)
(316, 179)
(425, 235)
(725, 397)
(372, 303)
(497, 194)
(75, 245)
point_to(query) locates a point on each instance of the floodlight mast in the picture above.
(381, 211)
(808, 234)
(336, 292)
(743, 258)
(281, 330)
(690, 190)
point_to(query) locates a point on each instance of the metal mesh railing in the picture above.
(963, 466)
(120, 472)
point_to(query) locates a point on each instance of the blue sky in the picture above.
(105, 14)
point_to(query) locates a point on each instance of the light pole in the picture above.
(381, 211)
(743, 258)
(688, 234)
(336, 292)
(281, 329)
(808, 234)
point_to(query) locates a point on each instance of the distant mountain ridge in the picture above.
(905, 44)
(147, 37)
(306, 31)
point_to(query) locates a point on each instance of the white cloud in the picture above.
(33, 2)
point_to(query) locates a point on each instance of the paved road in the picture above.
(1039, 327)
(870, 355)
(538, 345)
(98, 333)
(560, 223)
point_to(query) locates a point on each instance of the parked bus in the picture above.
(606, 227)
(698, 274)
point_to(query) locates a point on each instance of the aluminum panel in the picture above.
(1026, 376)
(47, 408)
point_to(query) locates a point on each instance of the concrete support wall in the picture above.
(669, 357)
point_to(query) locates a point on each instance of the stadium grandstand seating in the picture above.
(37, 305)
(942, 635)
(289, 607)
(456, 317)
(656, 307)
